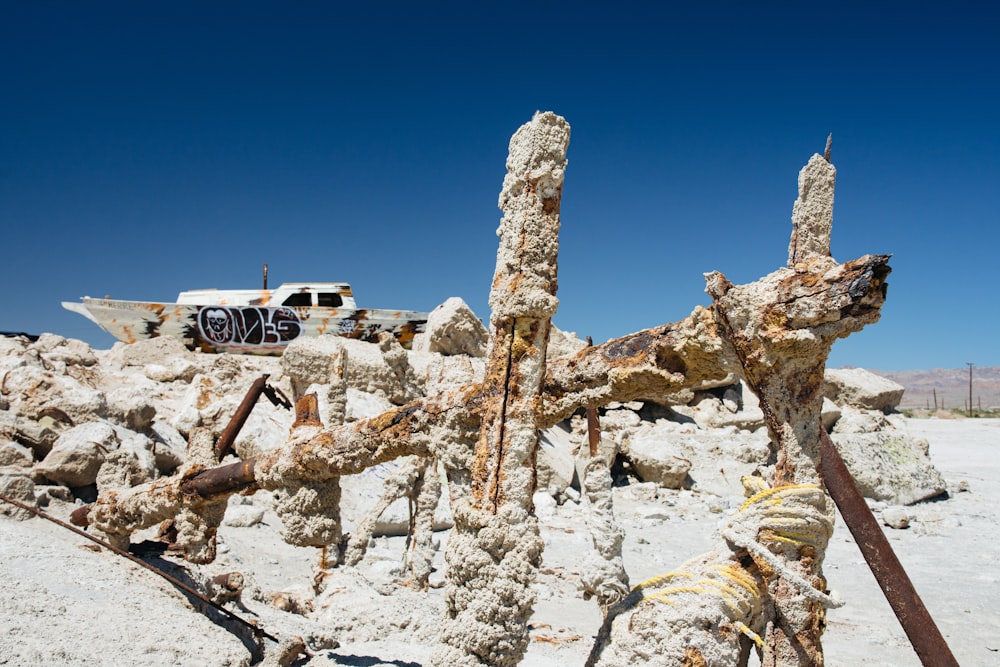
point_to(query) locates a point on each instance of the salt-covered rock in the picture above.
(169, 447)
(38, 434)
(16, 483)
(65, 351)
(563, 343)
(452, 328)
(14, 454)
(361, 405)
(556, 465)
(443, 374)
(860, 388)
(163, 350)
(121, 469)
(896, 517)
(140, 447)
(32, 390)
(202, 392)
(243, 516)
(829, 413)
(890, 465)
(131, 407)
(177, 370)
(656, 459)
(374, 368)
(853, 420)
(78, 454)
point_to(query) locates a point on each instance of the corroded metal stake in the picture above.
(917, 623)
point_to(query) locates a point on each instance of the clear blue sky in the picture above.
(153, 147)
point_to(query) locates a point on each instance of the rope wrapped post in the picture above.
(781, 329)
(495, 548)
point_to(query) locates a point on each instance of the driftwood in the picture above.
(776, 333)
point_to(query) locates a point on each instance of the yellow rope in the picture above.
(797, 515)
(734, 587)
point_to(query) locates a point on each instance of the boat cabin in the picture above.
(293, 295)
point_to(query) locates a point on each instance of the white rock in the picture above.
(556, 464)
(861, 389)
(896, 517)
(78, 454)
(889, 465)
(655, 459)
(169, 447)
(131, 407)
(369, 369)
(452, 328)
(16, 484)
(14, 454)
(243, 516)
(563, 343)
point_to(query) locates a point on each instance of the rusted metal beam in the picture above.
(923, 633)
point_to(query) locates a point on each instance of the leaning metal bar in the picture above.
(917, 623)
(257, 631)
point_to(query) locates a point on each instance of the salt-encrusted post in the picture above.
(781, 329)
(812, 213)
(495, 548)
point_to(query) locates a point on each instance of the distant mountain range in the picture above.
(949, 385)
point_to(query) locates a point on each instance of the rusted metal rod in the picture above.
(223, 479)
(228, 435)
(917, 623)
(260, 386)
(593, 430)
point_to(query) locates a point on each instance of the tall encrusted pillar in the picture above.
(495, 548)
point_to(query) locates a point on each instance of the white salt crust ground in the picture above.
(63, 604)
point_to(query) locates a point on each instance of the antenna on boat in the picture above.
(265, 275)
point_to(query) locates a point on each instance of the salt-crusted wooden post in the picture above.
(781, 329)
(495, 548)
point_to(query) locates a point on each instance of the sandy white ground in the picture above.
(63, 603)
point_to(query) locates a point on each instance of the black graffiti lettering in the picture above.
(248, 326)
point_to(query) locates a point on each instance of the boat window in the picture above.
(330, 300)
(298, 299)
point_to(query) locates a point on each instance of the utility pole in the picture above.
(969, 364)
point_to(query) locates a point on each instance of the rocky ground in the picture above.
(73, 420)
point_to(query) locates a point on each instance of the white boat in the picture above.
(259, 321)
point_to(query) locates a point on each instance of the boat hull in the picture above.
(241, 328)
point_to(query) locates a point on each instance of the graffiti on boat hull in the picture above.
(222, 325)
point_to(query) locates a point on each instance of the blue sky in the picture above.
(149, 148)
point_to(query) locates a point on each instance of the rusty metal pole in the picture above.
(917, 623)
(228, 435)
